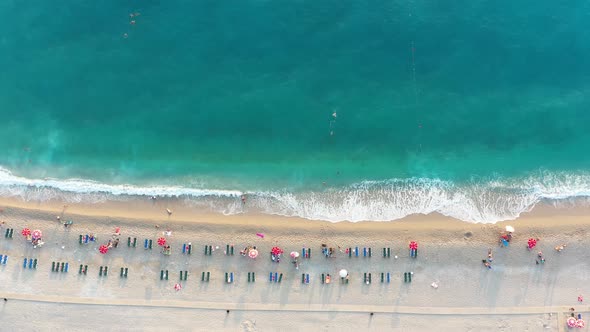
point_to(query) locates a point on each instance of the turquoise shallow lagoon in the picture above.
(474, 109)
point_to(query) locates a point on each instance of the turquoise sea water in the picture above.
(470, 108)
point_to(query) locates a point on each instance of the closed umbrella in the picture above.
(343, 273)
(294, 254)
(253, 253)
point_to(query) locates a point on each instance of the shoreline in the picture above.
(450, 254)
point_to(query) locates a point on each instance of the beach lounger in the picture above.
(307, 278)
(190, 247)
(303, 253)
(127, 271)
(5, 259)
(276, 277)
(35, 263)
(302, 278)
(343, 280)
(248, 276)
(370, 252)
(129, 241)
(161, 274)
(121, 274)
(85, 269)
(410, 276)
(388, 277)
(106, 270)
(323, 278)
(382, 277)
(208, 276)
(80, 239)
(356, 251)
(253, 277)
(66, 267)
(226, 278)
(184, 248)
(63, 265)
(270, 276)
(11, 233)
(25, 263)
(7, 232)
(80, 271)
(405, 276)
(180, 278)
(231, 277)
(100, 272)
(365, 252)
(52, 265)
(203, 276)
(145, 244)
(150, 245)
(166, 275)
(134, 242)
(227, 249)
(370, 278)
(349, 252)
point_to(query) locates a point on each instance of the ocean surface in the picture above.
(333, 110)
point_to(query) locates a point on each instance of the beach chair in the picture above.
(302, 278)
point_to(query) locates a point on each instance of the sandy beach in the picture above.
(515, 295)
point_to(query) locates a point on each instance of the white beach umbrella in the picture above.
(510, 229)
(343, 273)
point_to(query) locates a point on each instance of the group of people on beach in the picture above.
(488, 261)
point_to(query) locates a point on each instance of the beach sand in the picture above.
(515, 295)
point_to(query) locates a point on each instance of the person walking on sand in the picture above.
(490, 257)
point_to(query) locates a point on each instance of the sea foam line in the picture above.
(481, 201)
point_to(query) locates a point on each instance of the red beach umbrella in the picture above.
(414, 245)
(26, 232)
(532, 243)
(571, 322)
(103, 249)
(162, 241)
(36, 234)
(276, 251)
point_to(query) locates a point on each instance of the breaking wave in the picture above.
(479, 201)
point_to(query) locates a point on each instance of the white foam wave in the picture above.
(477, 201)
